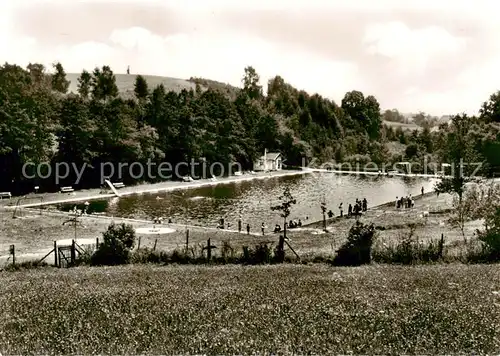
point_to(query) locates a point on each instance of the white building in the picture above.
(271, 161)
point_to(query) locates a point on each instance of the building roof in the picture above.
(271, 156)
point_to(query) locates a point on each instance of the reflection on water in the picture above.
(252, 200)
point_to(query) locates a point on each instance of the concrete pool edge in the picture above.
(173, 187)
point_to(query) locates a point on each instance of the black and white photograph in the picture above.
(216, 177)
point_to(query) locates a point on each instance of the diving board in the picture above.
(113, 188)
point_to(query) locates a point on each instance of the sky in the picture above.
(441, 57)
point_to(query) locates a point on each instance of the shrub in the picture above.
(25, 265)
(356, 250)
(147, 255)
(84, 258)
(409, 250)
(260, 254)
(180, 257)
(490, 237)
(115, 250)
(227, 253)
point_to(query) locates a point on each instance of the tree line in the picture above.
(41, 122)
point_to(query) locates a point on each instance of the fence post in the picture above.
(55, 254)
(139, 243)
(187, 240)
(96, 243)
(73, 254)
(13, 253)
(281, 249)
(209, 250)
(154, 247)
(441, 246)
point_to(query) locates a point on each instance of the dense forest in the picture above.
(40, 122)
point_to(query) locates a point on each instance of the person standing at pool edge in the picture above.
(248, 229)
(239, 225)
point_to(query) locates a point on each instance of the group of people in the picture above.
(359, 206)
(405, 202)
(290, 225)
(356, 209)
(240, 225)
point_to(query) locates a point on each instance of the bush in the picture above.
(227, 253)
(147, 255)
(356, 250)
(484, 249)
(409, 252)
(84, 258)
(115, 250)
(25, 265)
(260, 254)
(490, 237)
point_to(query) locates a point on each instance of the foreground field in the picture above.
(237, 310)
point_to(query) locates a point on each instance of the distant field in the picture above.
(408, 127)
(289, 309)
(395, 148)
(125, 83)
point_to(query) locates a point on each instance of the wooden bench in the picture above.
(5, 195)
(67, 189)
(119, 185)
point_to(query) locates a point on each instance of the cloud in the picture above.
(225, 55)
(411, 49)
(408, 54)
(137, 38)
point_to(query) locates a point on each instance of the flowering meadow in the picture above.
(146, 309)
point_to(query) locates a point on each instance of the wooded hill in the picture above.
(101, 117)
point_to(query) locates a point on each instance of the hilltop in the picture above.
(125, 83)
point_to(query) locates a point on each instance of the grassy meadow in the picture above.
(125, 83)
(34, 233)
(403, 126)
(142, 309)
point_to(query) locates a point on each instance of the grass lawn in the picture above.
(125, 83)
(405, 127)
(238, 310)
